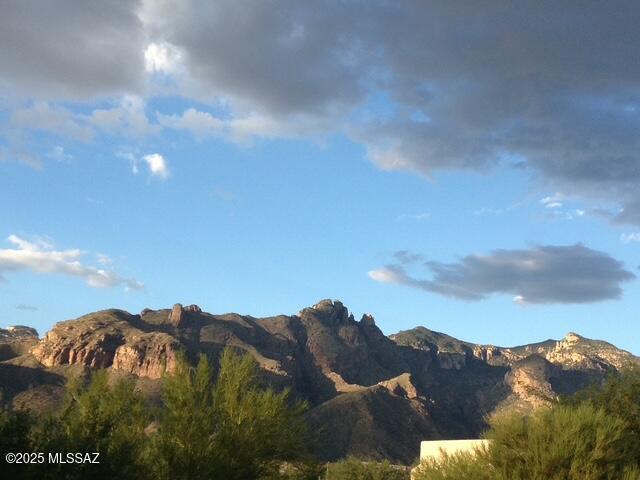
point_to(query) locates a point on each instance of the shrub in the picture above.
(459, 466)
(233, 429)
(354, 469)
(565, 442)
(97, 417)
(618, 396)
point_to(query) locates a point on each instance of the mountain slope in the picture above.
(370, 395)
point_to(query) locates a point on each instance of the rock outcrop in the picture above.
(147, 355)
(529, 380)
(16, 340)
(370, 395)
(367, 319)
(111, 338)
(182, 316)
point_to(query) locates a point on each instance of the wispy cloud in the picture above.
(630, 237)
(553, 201)
(414, 216)
(26, 308)
(41, 257)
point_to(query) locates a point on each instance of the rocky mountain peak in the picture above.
(571, 337)
(179, 314)
(367, 319)
(16, 340)
(333, 311)
(411, 386)
(18, 331)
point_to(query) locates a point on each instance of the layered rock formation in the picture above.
(112, 339)
(370, 395)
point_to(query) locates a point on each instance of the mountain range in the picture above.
(370, 395)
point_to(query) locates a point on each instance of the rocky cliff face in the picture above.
(16, 340)
(111, 339)
(370, 395)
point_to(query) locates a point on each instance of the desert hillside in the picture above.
(371, 395)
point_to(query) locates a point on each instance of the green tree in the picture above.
(185, 445)
(231, 429)
(97, 417)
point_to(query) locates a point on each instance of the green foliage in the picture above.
(97, 417)
(580, 442)
(354, 469)
(15, 428)
(301, 470)
(184, 447)
(234, 429)
(460, 466)
(619, 396)
(565, 442)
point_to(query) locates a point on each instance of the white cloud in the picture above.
(386, 275)
(456, 101)
(50, 118)
(104, 259)
(157, 165)
(127, 118)
(243, 128)
(630, 237)
(200, 124)
(39, 256)
(520, 300)
(553, 201)
(162, 57)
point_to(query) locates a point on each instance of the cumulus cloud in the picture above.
(41, 257)
(284, 58)
(162, 57)
(50, 118)
(127, 118)
(154, 163)
(157, 165)
(200, 124)
(539, 275)
(71, 50)
(546, 87)
(243, 129)
(469, 86)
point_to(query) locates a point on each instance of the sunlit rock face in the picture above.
(377, 395)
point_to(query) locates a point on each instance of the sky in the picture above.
(471, 167)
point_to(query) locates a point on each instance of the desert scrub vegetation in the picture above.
(352, 468)
(222, 423)
(593, 435)
(225, 426)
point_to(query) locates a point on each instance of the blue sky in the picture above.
(462, 187)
